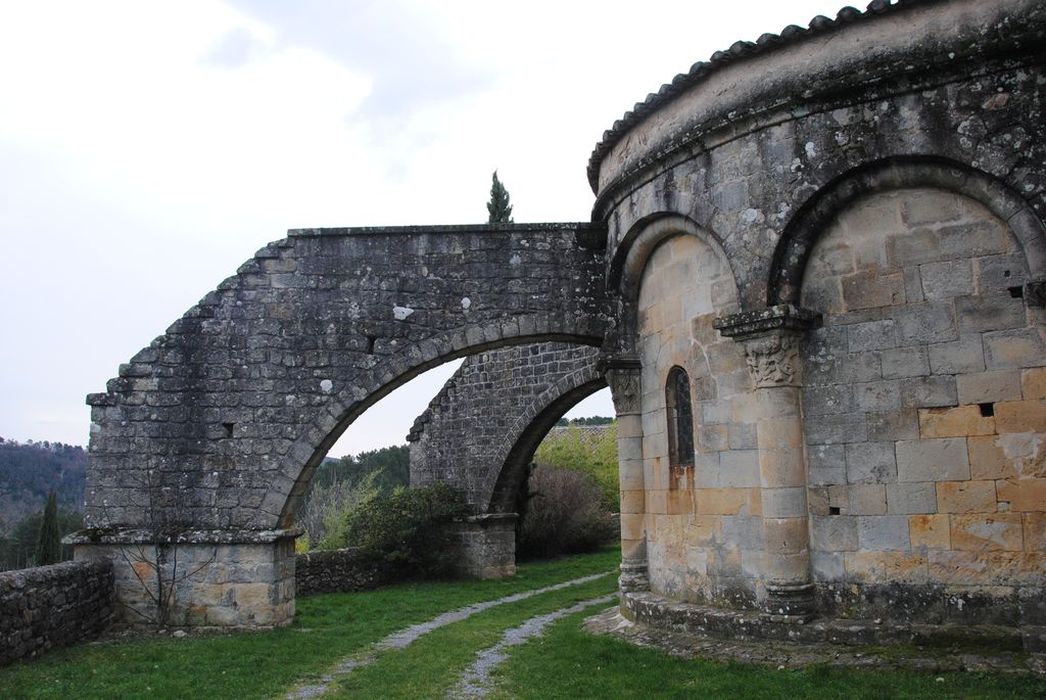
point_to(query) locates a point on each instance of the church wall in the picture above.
(924, 412)
(703, 524)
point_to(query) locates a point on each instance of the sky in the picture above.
(147, 149)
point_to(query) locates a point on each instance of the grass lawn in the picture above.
(574, 664)
(566, 662)
(327, 628)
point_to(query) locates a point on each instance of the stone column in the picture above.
(771, 340)
(623, 376)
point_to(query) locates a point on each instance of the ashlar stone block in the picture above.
(867, 499)
(883, 532)
(966, 497)
(987, 532)
(918, 497)
(1025, 495)
(988, 459)
(1021, 416)
(870, 462)
(1033, 383)
(989, 387)
(949, 278)
(932, 460)
(930, 531)
(960, 421)
(964, 355)
(1014, 348)
(833, 533)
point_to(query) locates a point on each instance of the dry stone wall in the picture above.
(48, 607)
(335, 571)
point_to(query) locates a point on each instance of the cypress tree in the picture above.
(498, 207)
(49, 543)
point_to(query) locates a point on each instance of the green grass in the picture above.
(328, 628)
(565, 663)
(432, 665)
(573, 664)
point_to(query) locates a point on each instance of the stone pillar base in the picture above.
(789, 603)
(634, 577)
(487, 546)
(202, 578)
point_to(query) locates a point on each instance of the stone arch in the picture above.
(626, 270)
(531, 427)
(385, 379)
(208, 437)
(923, 292)
(811, 220)
(496, 400)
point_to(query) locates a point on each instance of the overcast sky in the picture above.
(147, 149)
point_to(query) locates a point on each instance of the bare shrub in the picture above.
(323, 514)
(565, 514)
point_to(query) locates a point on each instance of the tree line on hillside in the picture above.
(29, 473)
(590, 420)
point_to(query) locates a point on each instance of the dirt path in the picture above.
(407, 636)
(475, 682)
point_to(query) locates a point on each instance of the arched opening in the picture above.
(370, 458)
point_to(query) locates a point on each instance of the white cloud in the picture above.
(147, 149)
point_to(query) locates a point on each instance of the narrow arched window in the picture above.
(680, 419)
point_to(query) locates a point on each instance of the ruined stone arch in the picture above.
(497, 400)
(386, 378)
(211, 434)
(531, 427)
(812, 219)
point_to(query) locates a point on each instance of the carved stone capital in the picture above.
(623, 376)
(771, 339)
(773, 359)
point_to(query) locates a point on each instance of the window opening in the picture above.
(680, 419)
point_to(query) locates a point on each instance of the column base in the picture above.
(789, 603)
(487, 546)
(212, 579)
(634, 577)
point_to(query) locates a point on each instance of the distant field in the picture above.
(564, 662)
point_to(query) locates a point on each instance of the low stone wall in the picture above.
(335, 571)
(53, 606)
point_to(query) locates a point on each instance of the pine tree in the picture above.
(49, 543)
(498, 207)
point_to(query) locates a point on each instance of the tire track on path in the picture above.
(407, 636)
(475, 682)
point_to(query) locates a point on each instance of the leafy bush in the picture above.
(565, 514)
(407, 530)
(589, 451)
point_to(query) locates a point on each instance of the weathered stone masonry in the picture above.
(211, 434)
(480, 432)
(499, 404)
(836, 234)
(873, 445)
(48, 607)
